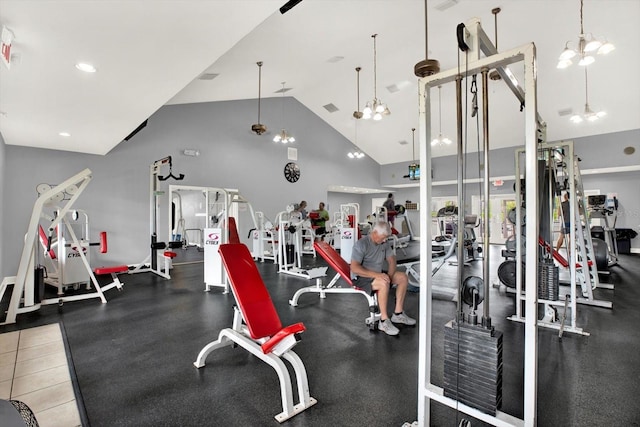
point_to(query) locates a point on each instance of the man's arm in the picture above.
(391, 260)
(360, 271)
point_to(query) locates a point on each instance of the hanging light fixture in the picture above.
(259, 128)
(355, 153)
(587, 47)
(358, 114)
(440, 140)
(376, 108)
(283, 136)
(588, 114)
(414, 167)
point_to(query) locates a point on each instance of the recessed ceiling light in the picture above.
(64, 134)
(87, 68)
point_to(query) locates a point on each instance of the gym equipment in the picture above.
(23, 290)
(605, 208)
(343, 271)
(450, 294)
(150, 263)
(257, 328)
(346, 229)
(293, 234)
(265, 239)
(481, 398)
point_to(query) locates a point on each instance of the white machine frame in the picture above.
(22, 291)
(294, 267)
(479, 42)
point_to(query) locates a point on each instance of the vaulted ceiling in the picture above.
(151, 53)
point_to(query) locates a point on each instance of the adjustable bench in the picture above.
(257, 329)
(343, 271)
(112, 270)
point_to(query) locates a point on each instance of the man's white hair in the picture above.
(382, 227)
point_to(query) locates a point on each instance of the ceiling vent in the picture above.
(208, 76)
(565, 112)
(283, 90)
(330, 108)
(446, 5)
(402, 142)
(335, 59)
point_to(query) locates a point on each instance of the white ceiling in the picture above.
(150, 53)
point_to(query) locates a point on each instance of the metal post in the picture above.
(486, 319)
(460, 193)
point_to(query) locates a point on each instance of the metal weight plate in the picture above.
(473, 285)
(510, 244)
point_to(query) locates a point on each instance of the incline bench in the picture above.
(343, 271)
(257, 329)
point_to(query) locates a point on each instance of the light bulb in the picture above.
(367, 110)
(586, 60)
(377, 116)
(351, 155)
(435, 142)
(447, 141)
(606, 48)
(292, 139)
(576, 118)
(592, 45)
(567, 54)
(564, 63)
(380, 108)
(277, 138)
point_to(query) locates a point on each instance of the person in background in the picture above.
(564, 214)
(321, 221)
(390, 206)
(302, 209)
(367, 261)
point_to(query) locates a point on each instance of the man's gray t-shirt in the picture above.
(371, 256)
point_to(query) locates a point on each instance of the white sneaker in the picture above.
(388, 328)
(403, 318)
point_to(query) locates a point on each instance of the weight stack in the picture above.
(473, 366)
(548, 280)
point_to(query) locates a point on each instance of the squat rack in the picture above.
(478, 43)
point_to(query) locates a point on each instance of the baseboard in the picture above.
(635, 250)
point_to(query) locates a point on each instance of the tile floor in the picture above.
(34, 369)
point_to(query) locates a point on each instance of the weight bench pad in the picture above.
(334, 259)
(109, 270)
(252, 296)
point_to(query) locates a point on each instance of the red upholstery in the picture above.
(44, 240)
(170, 254)
(103, 242)
(334, 259)
(556, 255)
(280, 335)
(251, 294)
(233, 231)
(109, 270)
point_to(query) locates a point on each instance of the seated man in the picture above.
(367, 259)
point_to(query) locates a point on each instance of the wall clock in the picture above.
(292, 172)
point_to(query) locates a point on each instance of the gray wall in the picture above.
(595, 152)
(117, 199)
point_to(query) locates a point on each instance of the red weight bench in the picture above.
(343, 271)
(257, 329)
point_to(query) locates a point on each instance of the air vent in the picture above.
(330, 108)
(283, 90)
(393, 88)
(208, 76)
(335, 59)
(446, 5)
(402, 142)
(565, 112)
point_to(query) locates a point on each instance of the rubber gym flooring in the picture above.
(133, 357)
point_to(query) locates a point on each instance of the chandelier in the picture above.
(440, 140)
(376, 108)
(588, 114)
(587, 47)
(283, 136)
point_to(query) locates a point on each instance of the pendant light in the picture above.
(588, 114)
(355, 153)
(259, 128)
(440, 140)
(414, 167)
(587, 46)
(376, 108)
(283, 136)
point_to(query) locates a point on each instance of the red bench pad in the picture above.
(233, 231)
(109, 270)
(170, 254)
(280, 335)
(251, 294)
(334, 259)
